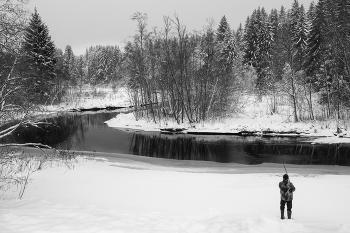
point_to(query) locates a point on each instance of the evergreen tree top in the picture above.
(223, 29)
(38, 44)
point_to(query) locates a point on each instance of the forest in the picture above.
(297, 57)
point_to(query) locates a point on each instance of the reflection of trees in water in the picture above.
(301, 153)
(64, 130)
(87, 121)
(188, 148)
(181, 148)
(58, 130)
(245, 152)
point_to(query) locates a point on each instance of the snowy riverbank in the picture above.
(325, 132)
(123, 193)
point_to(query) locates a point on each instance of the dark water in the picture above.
(89, 133)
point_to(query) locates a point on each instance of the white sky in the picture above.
(82, 23)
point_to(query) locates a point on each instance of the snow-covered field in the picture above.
(125, 193)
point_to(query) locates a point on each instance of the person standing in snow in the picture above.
(286, 190)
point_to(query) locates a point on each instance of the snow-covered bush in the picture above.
(16, 166)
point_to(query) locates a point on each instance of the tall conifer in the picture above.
(316, 39)
(40, 56)
(300, 34)
(222, 29)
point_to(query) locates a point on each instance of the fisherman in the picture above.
(286, 190)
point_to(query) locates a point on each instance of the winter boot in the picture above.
(289, 214)
(282, 214)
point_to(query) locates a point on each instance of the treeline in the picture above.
(300, 53)
(99, 65)
(298, 57)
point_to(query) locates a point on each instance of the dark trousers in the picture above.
(289, 205)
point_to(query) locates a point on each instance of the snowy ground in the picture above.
(125, 193)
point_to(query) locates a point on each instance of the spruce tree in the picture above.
(69, 63)
(316, 40)
(239, 37)
(342, 33)
(226, 45)
(273, 20)
(80, 69)
(300, 34)
(250, 40)
(295, 15)
(280, 43)
(319, 58)
(275, 60)
(40, 57)
(222, 29)
(259, 41)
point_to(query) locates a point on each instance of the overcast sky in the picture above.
(82, 23)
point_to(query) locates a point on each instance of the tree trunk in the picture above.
(294, 97)
(310, 105)
(339, 97)
(328, 98)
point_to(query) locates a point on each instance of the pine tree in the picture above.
(316, 39)
(300, 33)
(275, 61)
(228, 50)
(337, 56)
(222, 29)
(250, 40)
(343, 7)
(59, 68)
(279, 53)
(319, 57)
(69, 61)
(226, 45)
(239, 37)
(40, 56)
(80, 71)
(259, 42)
(295, 15)
(342, 33)
(273, 20)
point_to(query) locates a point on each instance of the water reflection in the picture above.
(244, 150)
(86, 132)
(52, 132)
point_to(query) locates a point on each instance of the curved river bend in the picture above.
(87, 132)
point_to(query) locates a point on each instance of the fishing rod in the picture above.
(282, 161)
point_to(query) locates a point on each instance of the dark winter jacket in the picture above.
(286, 191)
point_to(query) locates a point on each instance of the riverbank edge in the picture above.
(127, 122)
(129, 161)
